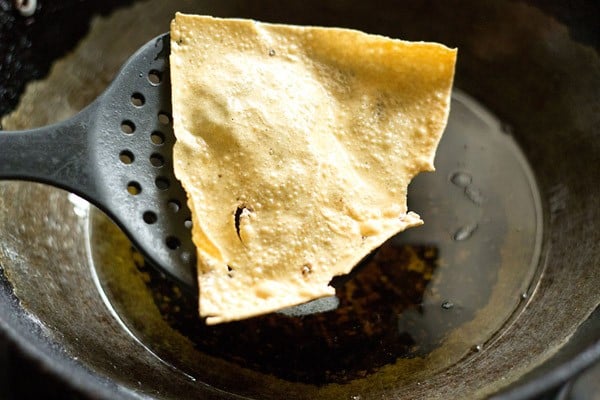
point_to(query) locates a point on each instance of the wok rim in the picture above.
(90, 383)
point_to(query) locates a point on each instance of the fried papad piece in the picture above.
(295, 146)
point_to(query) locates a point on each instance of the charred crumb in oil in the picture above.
(229, 271)
(351, 342)
(447, 305)
(137, 258)
(272, 52)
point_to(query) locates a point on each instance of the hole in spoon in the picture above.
(127, 127)
(162, 183)
(157, 138)
(164, 118)
(134, 188)
(154, 77)
(150, 217)
(137, 99)
(157, 160)
(126, 157)
(173, 243)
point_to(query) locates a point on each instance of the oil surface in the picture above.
(447, 287)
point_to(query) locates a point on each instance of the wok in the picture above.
(496, 295)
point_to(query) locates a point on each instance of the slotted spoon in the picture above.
(117, 154)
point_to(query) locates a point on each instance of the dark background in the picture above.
(29, 45)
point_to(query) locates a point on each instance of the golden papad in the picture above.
(295, 146)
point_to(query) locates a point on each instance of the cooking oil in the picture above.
(429, 298)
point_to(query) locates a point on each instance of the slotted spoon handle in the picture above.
(57, 154)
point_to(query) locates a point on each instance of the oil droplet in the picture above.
(461, 179)
(446, 305)
(474, 194)
(506, 128)
(80, 206)
(464, 232)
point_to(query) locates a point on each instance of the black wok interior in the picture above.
(534, 64)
